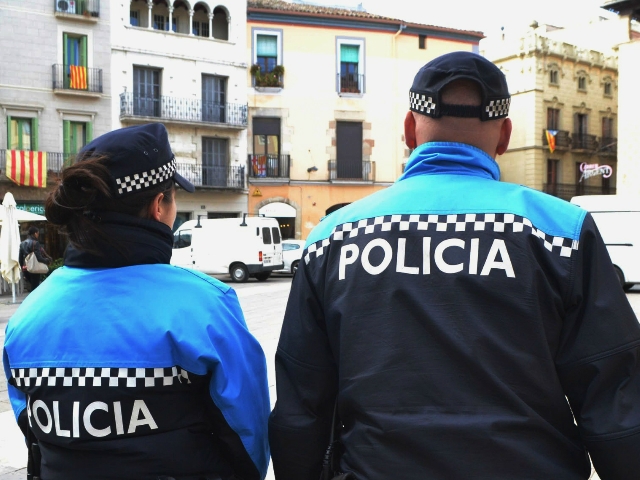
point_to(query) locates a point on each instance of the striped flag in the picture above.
(78, 77)
(551, 139)
(27, 168)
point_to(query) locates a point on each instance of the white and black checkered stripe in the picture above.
(143, 180)
(496, 222)
(99, 377)
(498, 108)
(421, 103)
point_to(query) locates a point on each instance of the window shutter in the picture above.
(8, 132)
(350, 53)
(89, 131)
(83, 51)
(267, 46)
(34, 134)
(65, 48)
(66, 139)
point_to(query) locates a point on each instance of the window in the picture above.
(553, 119)
(266, 235)
(181, 217)
(160, 22)
(552, 171)
(349, 150)
(553, 77)
(276, 235)
(200, 29)
(182, 239)
(350, 65)
(580, 138)
(582, 83)
(290, 246)
(215, 161)
(134, 20)
(75, 136)
(220, 24)
(22, 133)
(422, 42)
(146, 92)
(607, 127)
(214, 98)
(266, 147)
(74, 59)
(607, 89)
(267, 52)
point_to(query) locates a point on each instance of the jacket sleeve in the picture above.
(306, 383)
(599, 361)
(39, 253)
(17, 399)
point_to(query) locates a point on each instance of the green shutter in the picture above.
(8, 132)
(89, 131)
(65, 53)
(34, 134)
(66, 140)
(83, 51)
(349, 53)
(267, 46)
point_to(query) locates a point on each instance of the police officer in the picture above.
(121, 365)
(451, 316)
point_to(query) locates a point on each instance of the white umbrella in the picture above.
(21, 215)
(10, 244)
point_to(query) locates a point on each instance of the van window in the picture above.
(290, 246)
(276, 235)
(182, 239)
(266, 235)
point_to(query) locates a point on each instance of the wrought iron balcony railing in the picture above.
(351, 83)
(583, 141)
(212, 176)
(268, 166)
(608, 146)
(353, 171)
(55, 161)
(76, 78)
(567, 191)
(563, 141)
(192, 110)
(87, 8)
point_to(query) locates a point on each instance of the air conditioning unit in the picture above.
(66, 6)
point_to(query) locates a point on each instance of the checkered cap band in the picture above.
(498, 108)
(422, 103)
(99, 377)
(473, 222)
(140, 181)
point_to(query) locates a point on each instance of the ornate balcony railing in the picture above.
(567, 191)
(55, 161)
(583, 141)
(268, 166)
(563, 141)
(192, 110)
(87, 8)
(361, 171)
(351, 83)
(212, 176)
(608, 146)
(77, 78)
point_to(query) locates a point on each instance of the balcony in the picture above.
(583, 142)
(563, 142)
(608, 146)
(185, 111)
(352, 171)
(77, 80)
(88, 10)
(55, 161)
(351, 84)
(567, 191)
(269, 166)
(213, 176)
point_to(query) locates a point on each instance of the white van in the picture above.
(241, 247)
(618, 220)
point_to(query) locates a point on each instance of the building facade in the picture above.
(54, 94)
(564, 109)
(328, 93)
(183, 64)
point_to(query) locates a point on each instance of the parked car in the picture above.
(291, 255)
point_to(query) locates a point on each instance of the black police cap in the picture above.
(138, 158)
(425, 94)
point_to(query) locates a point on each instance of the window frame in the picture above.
(273, 32)
(582, 83)
(554, 72)
(422, 42)
(361, 44)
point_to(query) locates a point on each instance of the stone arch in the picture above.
(291, 203)
(220, 23)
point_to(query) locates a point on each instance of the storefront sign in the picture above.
(31, 207)
(593, 169)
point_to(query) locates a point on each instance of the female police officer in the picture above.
(121, 365)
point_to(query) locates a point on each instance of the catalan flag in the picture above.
(27, 168)
(78, 76)
(551, 139)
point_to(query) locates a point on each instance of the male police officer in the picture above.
(451, 316)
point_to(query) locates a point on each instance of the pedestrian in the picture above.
(465, 328)
(28, 245)
(121, 365)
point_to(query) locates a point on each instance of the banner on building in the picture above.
(592, 169)
(551, 139)
(27, 168)
(78, 76)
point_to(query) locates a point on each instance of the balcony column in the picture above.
(229, 27)
(191, 21)
(210, 25)
(171, 19)
(150, 14)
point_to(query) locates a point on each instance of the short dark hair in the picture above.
(33, 230)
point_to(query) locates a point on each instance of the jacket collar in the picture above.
(450, 158)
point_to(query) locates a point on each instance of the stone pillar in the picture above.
(171, 19)
(150, 6)
(191, 21)
(211, 25)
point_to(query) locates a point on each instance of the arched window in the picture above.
(220, 24)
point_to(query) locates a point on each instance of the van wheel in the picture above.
(239, 273)
(262, 276)
(294, 267)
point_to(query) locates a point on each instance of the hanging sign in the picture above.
(593, 169)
